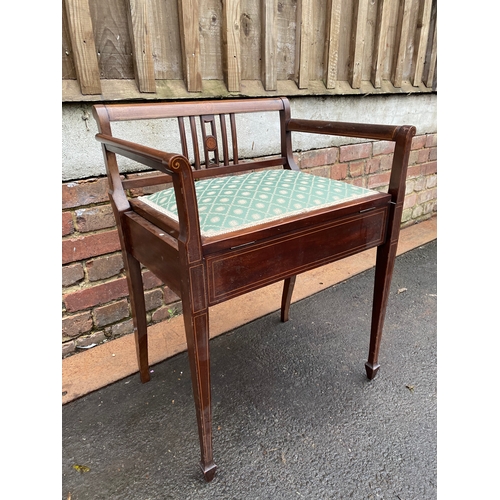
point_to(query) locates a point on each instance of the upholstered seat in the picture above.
(236, 202)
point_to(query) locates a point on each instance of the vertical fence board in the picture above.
(303, 42)
(379, 50)
(429, 81)
(83, 46)
(190, 44)
(269, 44)
(369, 49)
(422, 37)
(431, 52)
(411, 44)
(403, 34)
(344, 58)
(68, 66)
(286, 31)
(210, 33)
(318, 35)
(141, 45)
(358, 36)
(231, 52)
(165, 39)
(112, 39)
(251, 39)
(332, 43)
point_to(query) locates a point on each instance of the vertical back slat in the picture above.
(234, 138)
(210, 142)
(194, 137)
(223, 131)
(182, 134)
(203, 121)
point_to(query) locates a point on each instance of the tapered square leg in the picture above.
(138, 307)
(286, 298)
(386, 255)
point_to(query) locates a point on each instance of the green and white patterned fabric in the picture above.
(227, 204)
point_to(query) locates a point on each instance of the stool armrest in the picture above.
(346, 129)
(175, 165)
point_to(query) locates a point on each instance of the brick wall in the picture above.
(94, 290)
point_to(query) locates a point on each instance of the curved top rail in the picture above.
(145, 111)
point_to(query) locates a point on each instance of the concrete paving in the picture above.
(293, 412)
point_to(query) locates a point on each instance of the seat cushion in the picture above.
(226, 204)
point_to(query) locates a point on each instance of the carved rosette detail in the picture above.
(211, 142)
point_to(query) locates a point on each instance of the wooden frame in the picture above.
(205, 271)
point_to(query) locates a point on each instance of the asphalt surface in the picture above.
(294, 415)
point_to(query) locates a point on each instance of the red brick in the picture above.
(67, 223)
(161, 314)
(433, 154)
(169, 296)
(150, 280)
(154, 299)
(81, 248)
(428, 195)
(119, 329)
(430, 207)
(410, 201)
(386, 162)
(111, 313)
(418, 142)
(72, 274)
(383, 147)
(68, 348)
(319, 171)
(79, 193)
(372, 165)
(167, 312)
(378, 180)
(318, 157)
(96, 295)
(147, 189)
(359, 181)
(94, 338)
(104, 267)
(414, 171)
(431, 181)
(338, 171)
(357, 168)
(75, 325)
(423, 156)
(431, 141)
(355, 151)
(95, 218)
(429, 168)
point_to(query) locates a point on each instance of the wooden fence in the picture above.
(171, 49)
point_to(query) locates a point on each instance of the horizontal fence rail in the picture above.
(171, 49)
